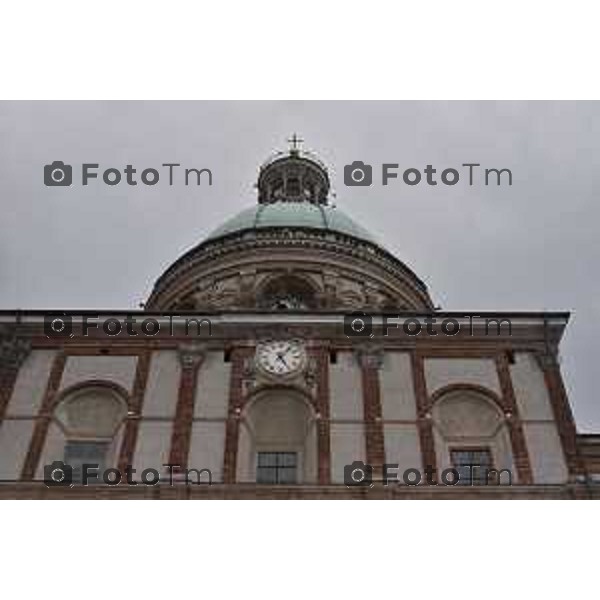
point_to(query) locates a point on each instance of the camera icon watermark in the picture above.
(358, 324)
(358, 474)
(58, 173)
(58, 326)
(58, 474)
(358, 173)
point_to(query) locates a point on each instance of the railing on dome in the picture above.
(300, 153)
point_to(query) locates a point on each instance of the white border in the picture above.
(312, 49)
(330, 549)
(308, 49)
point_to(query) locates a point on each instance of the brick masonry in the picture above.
(374, 440)
(184, 412)
(236, 405)
(424, 423)
(44, 417)
(513, 421)
(132, 424)
(372, 418)
(321, 355)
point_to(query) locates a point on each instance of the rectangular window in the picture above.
(276, 467)
(472, 464)
(78, 453)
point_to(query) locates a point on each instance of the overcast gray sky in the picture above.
(531, 246)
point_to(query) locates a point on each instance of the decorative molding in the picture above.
(280, 331)
(185, 276)
(370, 356)
(191, 355)
(546, 359)
(312, 372)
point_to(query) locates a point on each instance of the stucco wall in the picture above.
(347, 446)
(530, 389)
(396, 385)
(402, 447)
(206, 452)
(440, 372)
(118, 369)
(345, 385)
(31, 383)
(212, 391)
(545, 453)
(14, 441)
(163, 385)
(153, 445)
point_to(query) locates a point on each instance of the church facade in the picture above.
(289, 355)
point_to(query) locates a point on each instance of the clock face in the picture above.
(281, 357)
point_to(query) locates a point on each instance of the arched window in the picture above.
(90, 417)
(287, 293)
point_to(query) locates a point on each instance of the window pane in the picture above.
(287, 459)
(472, 465)
(266, 475)
(276, 467)
(78, 453)
(267, 459)
(287, 475)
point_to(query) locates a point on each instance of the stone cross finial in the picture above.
(295, 141)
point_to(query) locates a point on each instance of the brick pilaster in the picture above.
(371, 361)
(424, 421)
(190, 358)
(562, 411)
(321, 355)
(13, 352)
(132, 424)
(515, 427)
(8, 377)
(236, 400)
(43, 419)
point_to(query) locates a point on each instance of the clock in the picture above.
(283, 357)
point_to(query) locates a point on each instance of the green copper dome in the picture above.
(293, 214)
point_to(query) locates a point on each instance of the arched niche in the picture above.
(87, 422)
(287, 292)
(470, 419)
(278, 422)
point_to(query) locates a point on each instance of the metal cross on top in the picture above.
(295, 141)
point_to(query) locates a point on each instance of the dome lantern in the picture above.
(293, 177)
